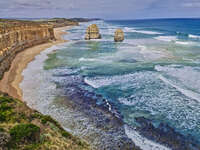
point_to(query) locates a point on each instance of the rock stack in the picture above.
(92, 32)
(119, 35)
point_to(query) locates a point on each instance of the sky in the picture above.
(105, 9)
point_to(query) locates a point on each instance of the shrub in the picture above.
(2, 129)
(2, 117)
(4, 99)
(4, 107)
(66, 134)
(6, 115)
(28, 133)
(46, 119)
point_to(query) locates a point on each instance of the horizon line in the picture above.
(102, 18)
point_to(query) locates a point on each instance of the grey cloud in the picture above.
(191, 4)
(109, 9)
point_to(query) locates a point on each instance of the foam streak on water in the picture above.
(166, 38)
(142, 142)
(187, 93)
(126, 29)
(194, 36)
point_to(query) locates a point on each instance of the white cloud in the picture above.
(108, 9)
(191, 4)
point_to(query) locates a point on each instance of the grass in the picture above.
(30, 130)
(6, 112)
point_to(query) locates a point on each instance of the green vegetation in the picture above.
(66, 134)
(5, 110)
(2, 130)
(23, 132)
(26, 129)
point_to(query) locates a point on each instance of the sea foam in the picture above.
(166, 38)
(185, 92)
(183, 43)
(127, 29)
(143, 142)
(194, 36)
(187, 78)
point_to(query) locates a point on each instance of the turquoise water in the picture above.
(154, 73)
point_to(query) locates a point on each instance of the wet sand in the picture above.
(12, 78)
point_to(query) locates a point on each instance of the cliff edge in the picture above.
(16, 36)
(21, 127)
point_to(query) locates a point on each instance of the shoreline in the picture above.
(13, 77)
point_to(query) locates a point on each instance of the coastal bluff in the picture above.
(16, 36)
(20, 126)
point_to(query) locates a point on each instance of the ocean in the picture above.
(150, 82)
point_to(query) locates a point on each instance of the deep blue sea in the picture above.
(154, 73)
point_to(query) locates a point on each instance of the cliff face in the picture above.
(16, 36)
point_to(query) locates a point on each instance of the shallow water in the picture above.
(154, 74)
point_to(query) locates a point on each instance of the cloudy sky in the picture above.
(106, 9)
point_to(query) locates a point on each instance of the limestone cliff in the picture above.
(15, 36)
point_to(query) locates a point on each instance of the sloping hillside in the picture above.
(25, 129)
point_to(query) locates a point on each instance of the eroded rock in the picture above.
(92, 32)
(119, 35)
(4, 139)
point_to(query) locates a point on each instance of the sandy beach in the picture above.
(12, 78)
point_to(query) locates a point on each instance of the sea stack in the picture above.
(92, 32)
(119, 35)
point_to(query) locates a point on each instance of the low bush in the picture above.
(4, 99)
(28, 133)
(66, 134)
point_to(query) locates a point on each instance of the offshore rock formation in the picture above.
(16, 36)
(119, 35)
(92, 32)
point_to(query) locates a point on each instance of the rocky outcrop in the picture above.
(4, 139)
(166, 135)
(92, 32)
(16, 36)
(119, 35)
